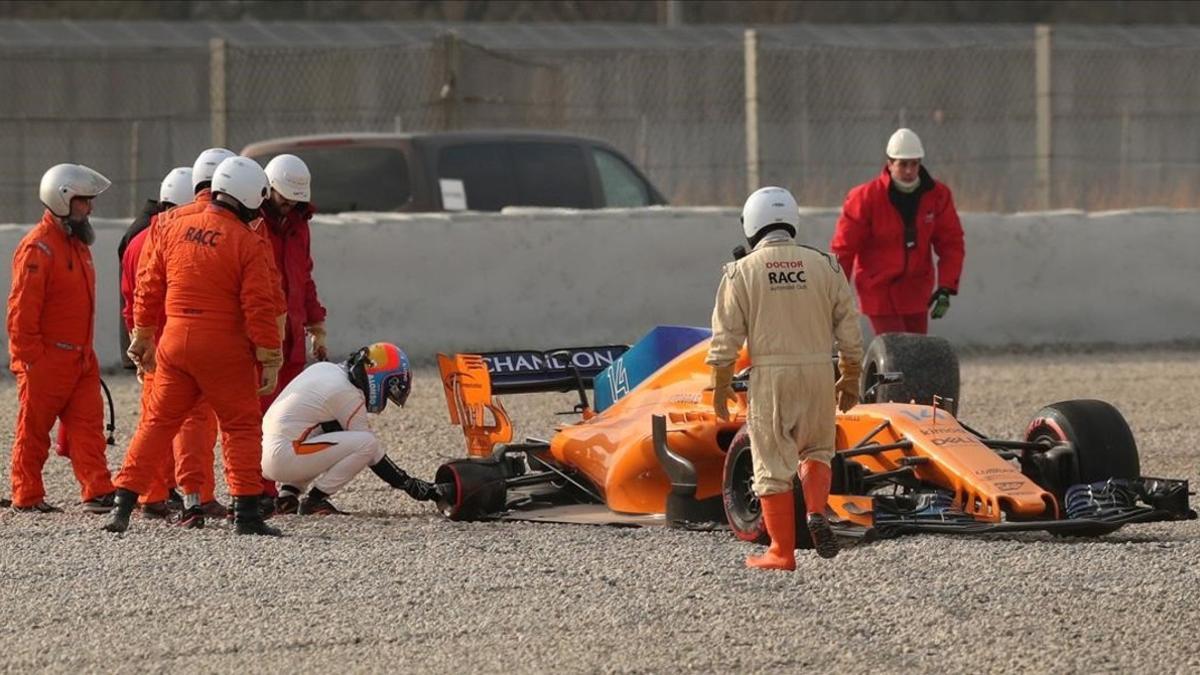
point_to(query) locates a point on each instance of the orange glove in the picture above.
(722, 386)
(317, 332)
(847, 385)
(141, 349)
(270, 360)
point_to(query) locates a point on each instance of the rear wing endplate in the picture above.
(469, 381)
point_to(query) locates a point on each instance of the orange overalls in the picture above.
(51, 313)
(191, 464)
(212, 277)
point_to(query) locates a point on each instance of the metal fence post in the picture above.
(451, 62)
(673, 13)
(216, 86)
(751, 68)
(134, 141)
(643, 127)
(1045, 112)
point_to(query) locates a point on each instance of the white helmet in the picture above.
(206, 165)
(769, 206)
(904, 144)
(63, 182)
(289, 175)
(243, 179)
(176, 187)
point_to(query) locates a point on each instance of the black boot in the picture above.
(191, 518)
(316, 503)
(247, 518)
(288, 501)
(125, 500)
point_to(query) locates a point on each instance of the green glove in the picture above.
(940, 302)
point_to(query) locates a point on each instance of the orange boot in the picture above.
(815, 479)
(779, 514)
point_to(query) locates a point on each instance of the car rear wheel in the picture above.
(742, 507)
(479, 488)
(1102, 441)
(928, 363)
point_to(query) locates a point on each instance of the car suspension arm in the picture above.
(873, 449)
(867, 439)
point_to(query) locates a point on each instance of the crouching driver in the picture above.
(316, 431)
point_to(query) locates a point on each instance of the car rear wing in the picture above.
(556, 370)
(469, 381)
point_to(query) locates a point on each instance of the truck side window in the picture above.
(552, 174)
(356, 177)
(486, 173)
(622, 187)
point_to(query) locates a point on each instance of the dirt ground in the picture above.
(395, 587)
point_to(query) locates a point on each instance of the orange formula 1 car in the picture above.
(650, 450)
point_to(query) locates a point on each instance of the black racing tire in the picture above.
(1102, 440)
(742, 508)
(479, 489)
(929, 365)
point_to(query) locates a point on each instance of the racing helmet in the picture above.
(290, 177)
(241, 178)
(767, 209)
(905, 144)
(206, 165)
(176, 188)
(63, 182)
(381, 371)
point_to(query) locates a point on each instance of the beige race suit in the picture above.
(789, 303)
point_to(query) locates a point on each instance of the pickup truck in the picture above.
(462, 170)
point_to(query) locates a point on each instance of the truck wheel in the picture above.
(928, 363)
(479, 489)
(742, 508)
(1103, 444)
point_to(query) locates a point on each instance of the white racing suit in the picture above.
(788, 303)
(316, 431)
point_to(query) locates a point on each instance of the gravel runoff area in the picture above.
(395, 587)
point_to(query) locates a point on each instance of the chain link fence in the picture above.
(670, 111)
(1084, 117)
(1126, 104)
(129, 113)
(826, 112)
(272, 92)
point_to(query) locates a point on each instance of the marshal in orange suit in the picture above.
(211, 274)
(51, 315)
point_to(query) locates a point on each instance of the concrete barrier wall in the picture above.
(545, 278)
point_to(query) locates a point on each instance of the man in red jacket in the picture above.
(886, 235)
(285, 216)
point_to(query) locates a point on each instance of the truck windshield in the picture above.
(355, 177)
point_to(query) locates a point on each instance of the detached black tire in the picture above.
(742, 508)
(929, 365)
(1103, 443)
(479, 491)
